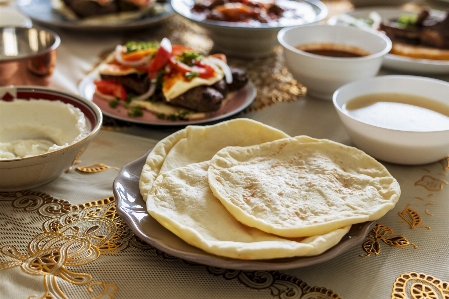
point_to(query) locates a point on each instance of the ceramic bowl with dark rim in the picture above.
(252, 39)
(23, 165)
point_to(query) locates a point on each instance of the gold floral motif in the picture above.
(431, 183)
(72, 236)
(411, 217)
(77, 235)
(279, 284)
(379, 233)
(94, 168)
(419, 286)
(445, 163)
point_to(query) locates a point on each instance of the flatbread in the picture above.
(182, 202)
(301, 186)
(195, 144)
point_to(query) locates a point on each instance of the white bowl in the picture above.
(322, 75)
(248, 40)
(37, 170)
(389, 145)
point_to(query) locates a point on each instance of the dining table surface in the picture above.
(67, 239)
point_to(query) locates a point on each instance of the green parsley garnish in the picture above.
(190, 58)
(406, 20)
(136, 46)
(191, 75)
(173, 117)
(135, 111)
(114, 103)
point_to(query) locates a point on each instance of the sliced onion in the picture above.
(105, 96)
(166, 44)
(148, 93)
(223, 65)
(119, 58)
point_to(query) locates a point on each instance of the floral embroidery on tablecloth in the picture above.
(73, 236)
(419, 286)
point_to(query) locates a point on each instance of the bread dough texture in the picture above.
(182, 202)
(301, 186)
(195, 144)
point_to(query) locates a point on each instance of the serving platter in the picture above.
(396, 62)
(41, 11)
(132, 208)
(235, 103)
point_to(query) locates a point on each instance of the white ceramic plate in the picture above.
(237, 102)
(396, 62)
(41, 11)
(132, 208)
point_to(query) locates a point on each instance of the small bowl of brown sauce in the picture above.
(397, 119)
(325, 57)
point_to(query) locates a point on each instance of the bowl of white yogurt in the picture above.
(42, 132)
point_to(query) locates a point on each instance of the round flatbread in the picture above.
(301, 186)
(182, 202)
(195, 144)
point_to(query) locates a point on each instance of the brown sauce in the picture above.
(333, 50)
(333, 53)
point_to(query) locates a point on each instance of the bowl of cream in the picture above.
(397, 119)
(42, 132)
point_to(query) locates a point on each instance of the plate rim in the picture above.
(133, 169)
(78, 25)
(250, 88)
(397, 62)
(316, 5)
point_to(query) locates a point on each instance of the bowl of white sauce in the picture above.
(397, 119)
(42, 132)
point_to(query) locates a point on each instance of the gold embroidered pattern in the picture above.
(411, 217)
(431, 183)
(445, 163)
(73, 236)
(419, 286)
(279, 284)
(94, 168)
(379, 233)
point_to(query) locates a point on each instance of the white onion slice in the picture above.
(148, 93)
(223, 65)
(166, 44)
(119, 58)
(105, 96)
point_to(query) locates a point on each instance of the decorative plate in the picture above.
(41, 11)
(396, 62)
(132, 208)
(237, 102)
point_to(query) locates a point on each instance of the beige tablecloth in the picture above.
(65, 240)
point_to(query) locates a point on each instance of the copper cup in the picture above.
(27, 55)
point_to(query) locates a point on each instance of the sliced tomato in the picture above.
(111, 88)
(161, 57)
(203, 70)
(178, 49)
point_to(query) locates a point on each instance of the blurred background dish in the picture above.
(42, 12)
(391, 61)
(27, 55)
(251, 39)
(422, 134)
(352, 54)
(37, 170)
(362, 3)
(10, 17)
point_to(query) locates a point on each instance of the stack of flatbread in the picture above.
(244, 190)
